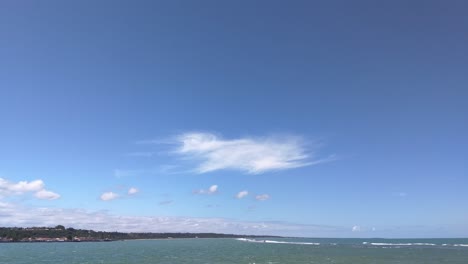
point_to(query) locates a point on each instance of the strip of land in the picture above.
(61, 234)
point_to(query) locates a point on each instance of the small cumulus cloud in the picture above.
(132, 191)
(356, 228)
(212, 190)
(46, 195)
(250, 155)
(262, 197)
(109, 196)
(37, 187)
(242, 194)
(21, 186)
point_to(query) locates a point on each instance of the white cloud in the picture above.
(251, 155)
(242, 194)
(5, 205)
(21, 187)
(262, 197)
(132, 191)
(213, 189)
(8, 188)
(46, 195)
(108, 196)
(17, 215)
(356, 228)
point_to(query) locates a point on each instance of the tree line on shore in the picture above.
(15, 234)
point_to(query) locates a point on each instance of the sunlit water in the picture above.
(259, 251)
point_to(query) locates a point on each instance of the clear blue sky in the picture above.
(339, 118)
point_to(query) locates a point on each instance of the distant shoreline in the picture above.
(62, 234)
(137, 239)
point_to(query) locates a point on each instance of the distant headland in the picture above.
(61, 234)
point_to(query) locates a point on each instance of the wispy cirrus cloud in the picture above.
(37, 187)
(250, 155)
(262, 197)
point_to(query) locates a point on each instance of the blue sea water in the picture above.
(258, 251)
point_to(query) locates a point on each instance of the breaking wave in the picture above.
(396, 244)
(276, 242)
(399, 244)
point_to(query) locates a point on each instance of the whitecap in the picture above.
(277, 242)
(391, 244)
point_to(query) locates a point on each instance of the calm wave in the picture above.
(258, 251)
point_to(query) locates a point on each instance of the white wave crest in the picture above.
(391, 244)
(276, 242)
(400, 244)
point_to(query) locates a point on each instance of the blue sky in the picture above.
(302, 118)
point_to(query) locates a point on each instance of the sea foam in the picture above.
(277, 242)
(403, 244)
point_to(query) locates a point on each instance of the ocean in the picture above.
(249, 251)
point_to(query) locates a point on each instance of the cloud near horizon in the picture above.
(250, 155)
(17, 215)
(37, 187)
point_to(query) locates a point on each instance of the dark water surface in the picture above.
(258, 251)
